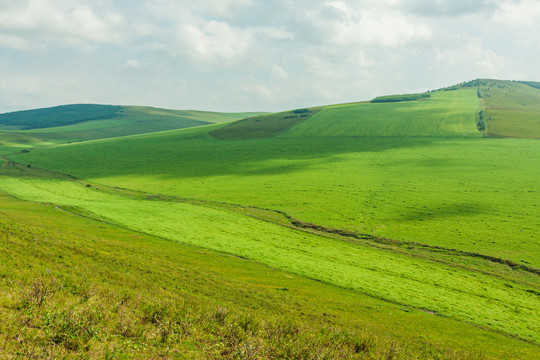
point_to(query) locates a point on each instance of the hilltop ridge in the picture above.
(476, 108)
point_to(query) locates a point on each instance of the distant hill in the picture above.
(57, 116)
(441, 113)
(415, 201)
(512, 108)
(80, 122)
(476, 108)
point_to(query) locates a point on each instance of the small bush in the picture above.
(39, 292)
(399, 98)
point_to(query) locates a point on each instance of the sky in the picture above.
(256, 55)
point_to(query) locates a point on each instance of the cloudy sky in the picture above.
(256, 55)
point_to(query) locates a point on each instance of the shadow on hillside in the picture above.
(177, 157)
(281, 156)
(443, 211)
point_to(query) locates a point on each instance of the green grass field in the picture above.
(128, 120)
(56, 116)
(121, 294)
(263, 126)
(10, 142)
(404, 188)
(447, 114)
(406, 202)
(499, 304)
(512, 109)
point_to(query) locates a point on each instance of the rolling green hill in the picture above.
(404, 188)
(507, 109)
(74, 123)
(57, 116)
(416, 202)
(512, 108)
(441, 114)
(263, 126)
(10, 142)
(467, 295)
(108, 292)
(447, 114)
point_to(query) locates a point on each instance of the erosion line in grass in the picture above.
(383, 240)
(294, 223)
(73, 211)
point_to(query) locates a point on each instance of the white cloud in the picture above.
(448, 8)
(74, 23)
(279, 72)
(261, 91)
(381, 30)
(214, 43)
(339, 5)
(29, 91)
(221, 8)
(525, 13)
(368, 24)
(16, 42)
(279, 33)
(269, 55)
(467, 56)
(132, 65)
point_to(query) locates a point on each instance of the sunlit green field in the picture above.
(406, 202)
(512, 109)
(128, 121)
(477, 298)
(10, 142)
(442, 114)
(477, 195)
(121, 294)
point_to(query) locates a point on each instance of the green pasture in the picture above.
(56, 116)
(141, 296)
(446, 219)
(10, 142)
(400, 97)
(444, 113)
(129, 120)
(263, 126)
(512, 109)
(479, 195)
(477, 298)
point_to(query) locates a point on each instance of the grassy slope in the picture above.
(56, 116)
(406, 188)
(403, 188)
(449, 113)
(128, 121)
(10, 142)
(108, 298)
(472, 297)
(512, 109)
(263, 126)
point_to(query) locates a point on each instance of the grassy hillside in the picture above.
(446, 290)
(57, 116)
(512, 108)
(73, 123)
(487, 300)
(10, 142)
(400, 98)
(96, 293)
(441, 114)
(263, 126)
(406, 202)
(403, 188)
